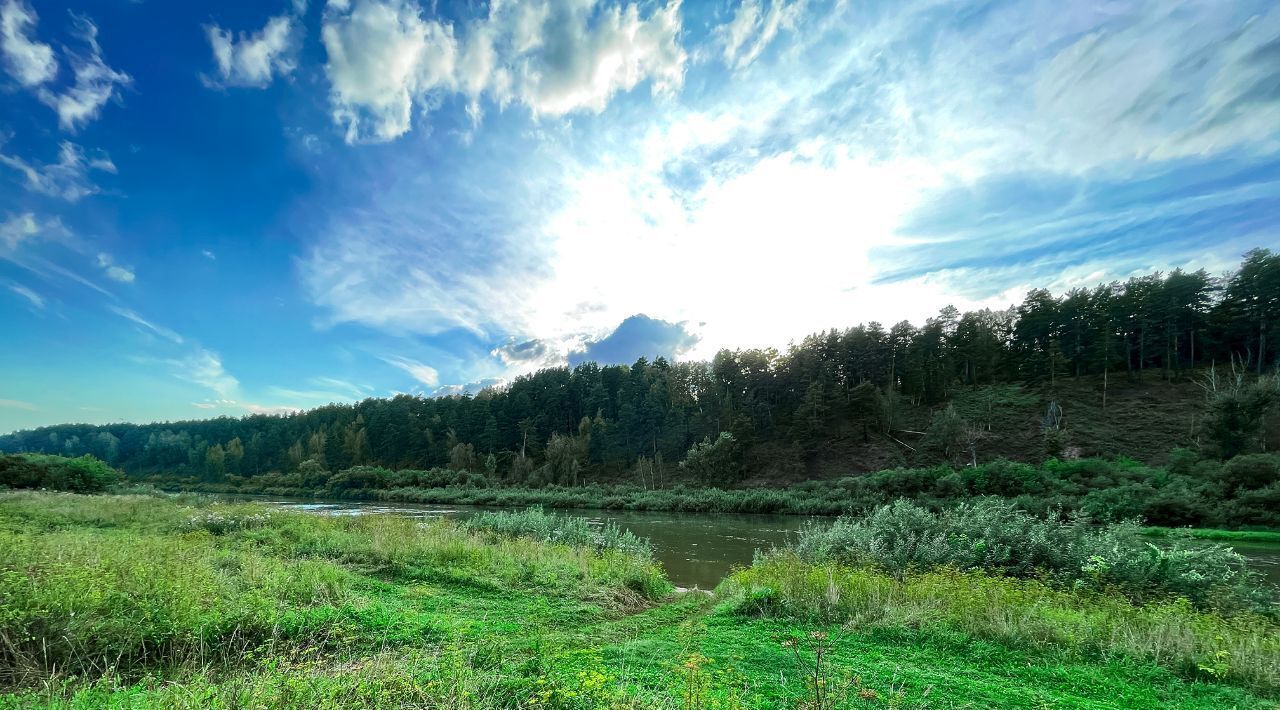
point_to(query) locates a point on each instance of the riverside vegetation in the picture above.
(158, 600)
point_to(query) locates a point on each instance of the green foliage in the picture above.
(1024, 613)
(537, 524)
(717, 461)
(1235, 412)
(948, 435)
(84, 474)
(993, 536)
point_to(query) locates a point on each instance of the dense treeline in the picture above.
(661, 422)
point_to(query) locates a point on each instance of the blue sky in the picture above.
(224, 208)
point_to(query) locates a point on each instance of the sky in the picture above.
(217, 209)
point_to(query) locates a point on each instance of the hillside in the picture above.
(1141, 421)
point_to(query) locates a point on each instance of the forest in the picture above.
(953, 390)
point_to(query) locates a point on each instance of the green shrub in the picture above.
(714, 461)
(993, 535)
(537, 524)
(85, 474)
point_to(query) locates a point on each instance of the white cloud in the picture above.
(114, 271)
(253, 59)
(578, 57)
(425, 374)
(17, 229)
(208, 255)
(25, 228)
(552, 56)
(29, 61)
(119, 274)
(68, 178)
(204, 367)
(800, 174)
(325, 390)
(751, 30)
(397, 274)
(345, 388)
(34, 298)
(270, 410)
(1165, 84)
(529, 354)
(148, 325)
(95, 83)
(471, 388)
(382, 58)
(18, 404)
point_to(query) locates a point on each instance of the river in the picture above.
(696, 549)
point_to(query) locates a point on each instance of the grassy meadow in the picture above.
(142, 601)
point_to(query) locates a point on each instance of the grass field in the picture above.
(146, 601)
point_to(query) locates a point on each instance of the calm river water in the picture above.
(696, 549)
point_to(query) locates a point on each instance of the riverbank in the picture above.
(1190, 491)
(1265, 536)
(150, 601)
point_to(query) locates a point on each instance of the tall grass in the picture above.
(89, 603)
(1243, 648)
(993, 535)
(538, 524)
(98, 586)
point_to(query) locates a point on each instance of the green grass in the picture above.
(153, 602)
(1027, 614)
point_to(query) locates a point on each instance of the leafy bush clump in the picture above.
(218, 522)
(85, 474)
(993, 535)
(537, 524)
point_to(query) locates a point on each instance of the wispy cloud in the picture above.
(18, 404)
(32, 297)
(753, 27)
(204, 367)
(95, 83)
(114, 271)
(147, 325)
(21, 236)
(324, 390)
(355, 391)
(27, 59)
(253, 59)
(424, 374)
(17, 229)
(69, 178)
